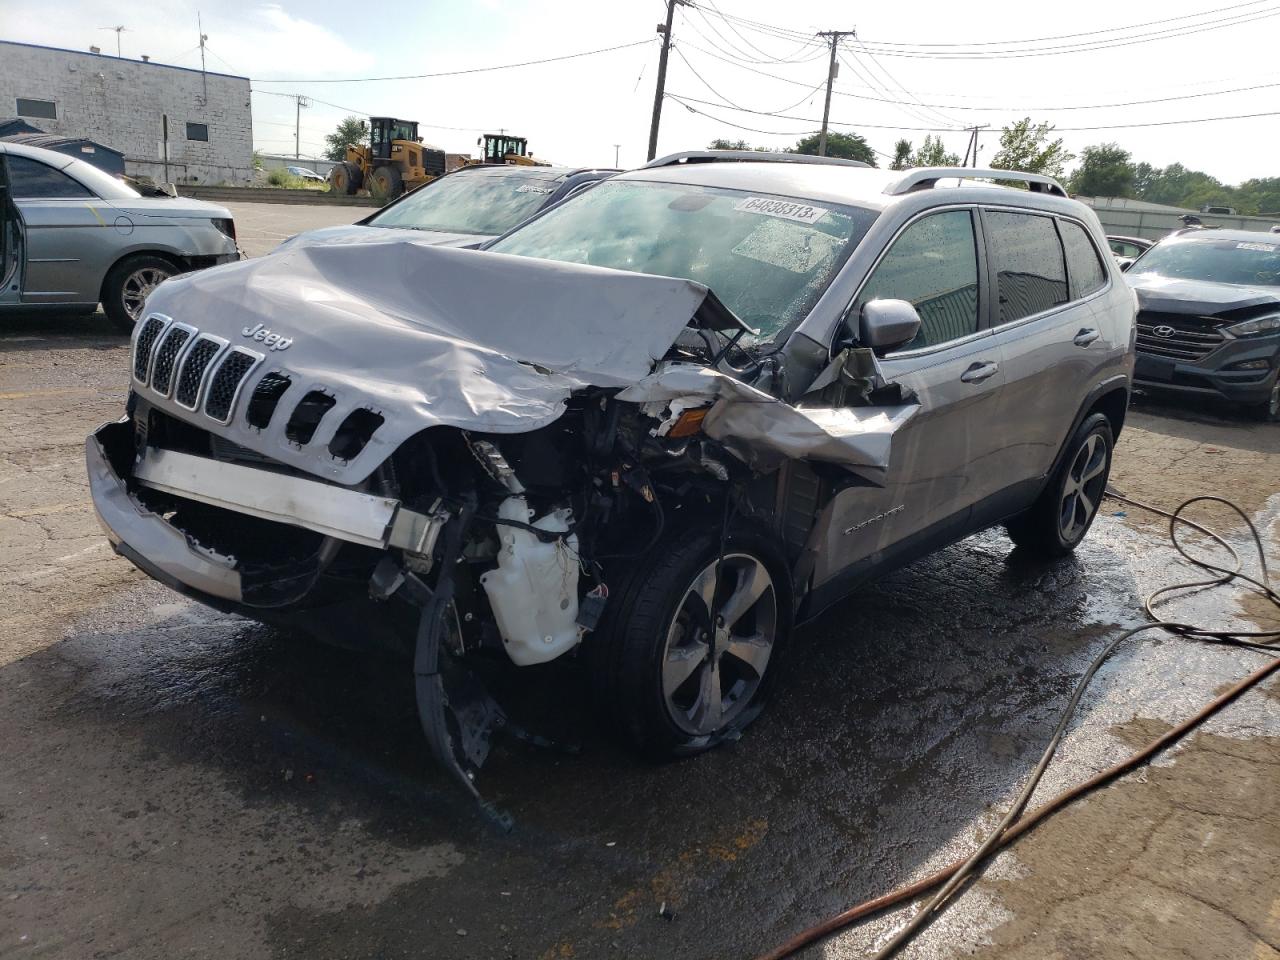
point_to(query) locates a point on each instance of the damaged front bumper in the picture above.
(144, 538)
(169, 554)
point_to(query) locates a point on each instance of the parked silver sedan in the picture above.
(72, 236)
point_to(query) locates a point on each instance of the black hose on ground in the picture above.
(1014, 824)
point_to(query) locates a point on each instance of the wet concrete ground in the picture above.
(175, 782)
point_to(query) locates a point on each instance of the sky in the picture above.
(911, 65)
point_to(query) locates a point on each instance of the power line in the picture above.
(1070, 36)
(1017, 47)
(809, 93)
(681, 99)
(888, 96)
(793, 57)
(996, 108)
(458, 73)
(894, 80)
(1106, 44)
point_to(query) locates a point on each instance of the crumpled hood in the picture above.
(359, 233)
(419, 334)
(1198, 297)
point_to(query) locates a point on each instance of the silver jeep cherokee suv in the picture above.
(655, 427)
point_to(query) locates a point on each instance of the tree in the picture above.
(1106, 170)
(1260, 196)
(1026, 147)
(901, 155)
(932, 153)
(720, 143)
(849, 146)
(351, 131)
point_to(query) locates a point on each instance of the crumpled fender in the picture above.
(764, 432)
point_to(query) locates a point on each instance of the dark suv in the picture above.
(658, 425)
(1209, 323)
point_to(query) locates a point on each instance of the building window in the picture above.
(43, 109)
(198, 131)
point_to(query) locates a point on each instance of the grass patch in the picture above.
(286, 180)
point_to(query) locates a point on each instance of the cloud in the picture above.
(250, 39)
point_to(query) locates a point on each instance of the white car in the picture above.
(305, 174)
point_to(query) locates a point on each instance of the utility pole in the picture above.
(615, 153)
(971, 151)
(660, 91)
(299, 101)
(833, 37)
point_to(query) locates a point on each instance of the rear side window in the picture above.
(33, 180)
(1083, 264)
(1030, 274)
(934, 266)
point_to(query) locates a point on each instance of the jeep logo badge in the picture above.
(266, 337)
(1164, 330)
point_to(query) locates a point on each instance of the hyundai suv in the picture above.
(656, 427)
(1209, 323)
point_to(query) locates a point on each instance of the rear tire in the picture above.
(386, 183)
(345, 178)
(127, 286)
(653, 668)
(1062, 516)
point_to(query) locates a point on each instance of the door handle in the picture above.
(1085, 337)
(980, 371)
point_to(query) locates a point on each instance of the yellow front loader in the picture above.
(394, 161)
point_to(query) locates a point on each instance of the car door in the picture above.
(10, 242)
(65, 233)
(940, 461)
(1048, 333)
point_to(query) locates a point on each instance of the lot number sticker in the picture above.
(531, 188)
(786, 209)
(1264, 247)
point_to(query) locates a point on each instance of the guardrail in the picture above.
(272, 195)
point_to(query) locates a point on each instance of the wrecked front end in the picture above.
(468, 451)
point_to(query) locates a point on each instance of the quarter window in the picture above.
(1030, 273)
(1082, 259)
(33, 180)
(933, 265)
(198, 131)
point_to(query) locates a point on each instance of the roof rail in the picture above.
(924, 178)
(720, 156)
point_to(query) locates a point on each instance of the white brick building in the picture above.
(122, 103)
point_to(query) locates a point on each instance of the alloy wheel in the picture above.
(138, 286)
(712, 669)
(1083, 487)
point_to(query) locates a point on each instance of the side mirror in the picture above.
(886, 324)
(1125, 264)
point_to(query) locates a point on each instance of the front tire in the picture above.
(1060, 518)
(675, 682)
(1268, 411)
(130, 282)
(386, 183)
